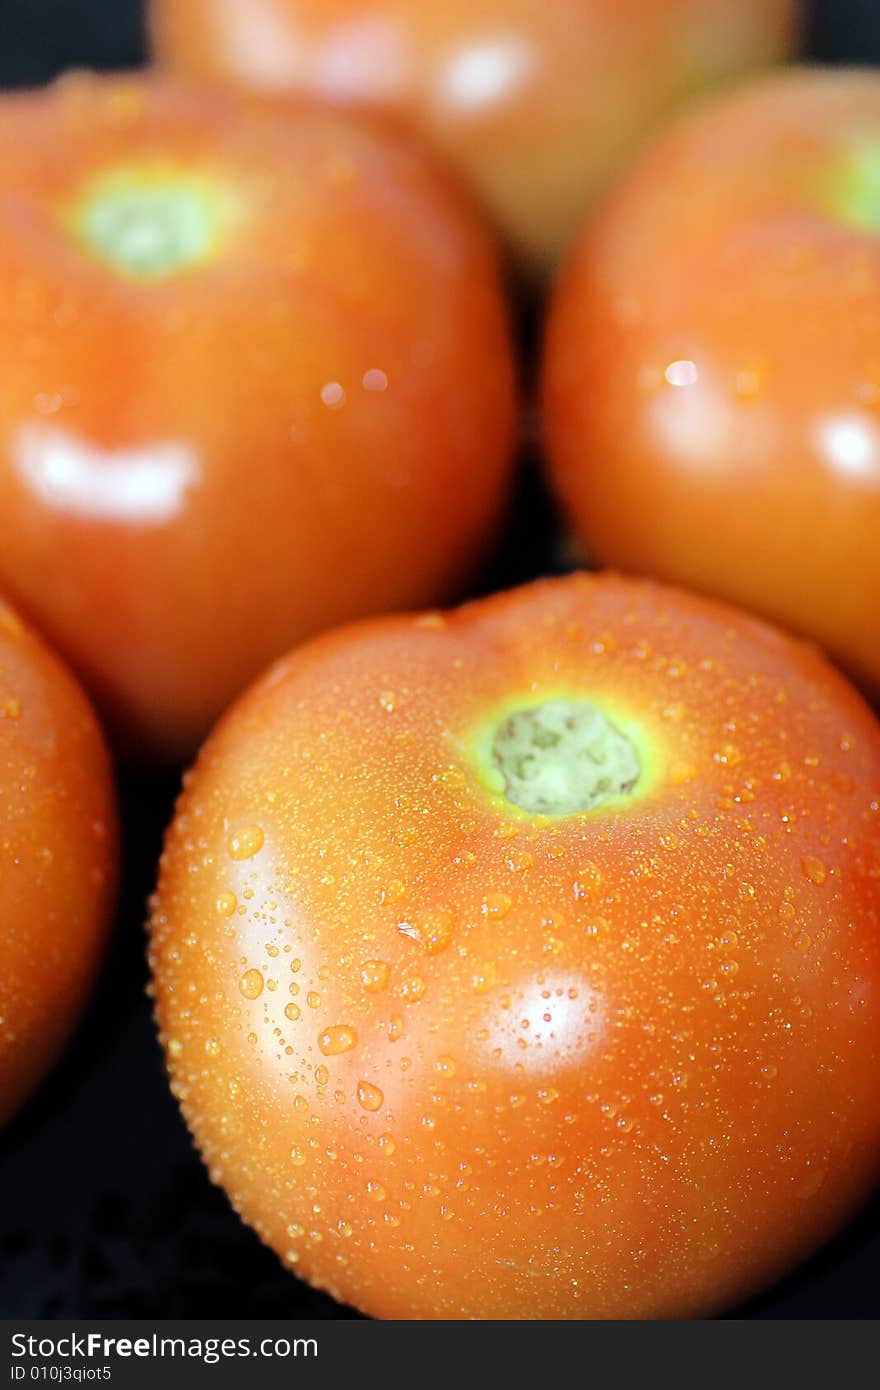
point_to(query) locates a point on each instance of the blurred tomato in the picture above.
(522, 962)
(58, 855)
(712, 375)
(536, 103)
(255, 378)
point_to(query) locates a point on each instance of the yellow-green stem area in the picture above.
(561, 756)
(149, 222)
(852, 192)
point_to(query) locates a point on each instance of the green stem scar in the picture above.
(852, 192)
(562, 757)
(149, 222)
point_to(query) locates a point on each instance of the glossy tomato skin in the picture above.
(58, 843)
(452, 1060)
(712, 372)
(536, 103)
(312, 423)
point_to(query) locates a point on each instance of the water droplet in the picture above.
(226, 904)
(292, 1012)
(412, 989)
(496, 905)
(587, 883)
(445, 1066)
(433, 930)
(313, 999)
(322, 1075)
(251, 984)
(814, 869)
(519, 861)
(374, 976)
(333, 395)
(386, 1145)
(375, 380)
(394, 892)
(245, 843)
(484, 978)
(369, 1096)
(728, 755)
(674, 712)
(297, 1157)
(339, 1037)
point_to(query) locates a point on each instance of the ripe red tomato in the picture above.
(523, 962)
(58, 857)
(712, 376)
(535, 103)
(255, 378)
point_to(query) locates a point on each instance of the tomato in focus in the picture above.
(58, 852)
(712, 368)
(524, 961)
(256, 378)
(536, 104)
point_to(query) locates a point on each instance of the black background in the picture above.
(105, 1209)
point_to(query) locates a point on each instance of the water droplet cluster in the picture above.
(523, 1062)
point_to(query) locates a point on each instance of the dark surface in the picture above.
(105, 1210)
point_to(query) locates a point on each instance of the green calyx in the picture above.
(153, 221)
(563, 757)
(852, 193)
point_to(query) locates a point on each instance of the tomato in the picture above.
(522, 962)
(535, 103)
(58, 857)
(255, 379)
(712, 374)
